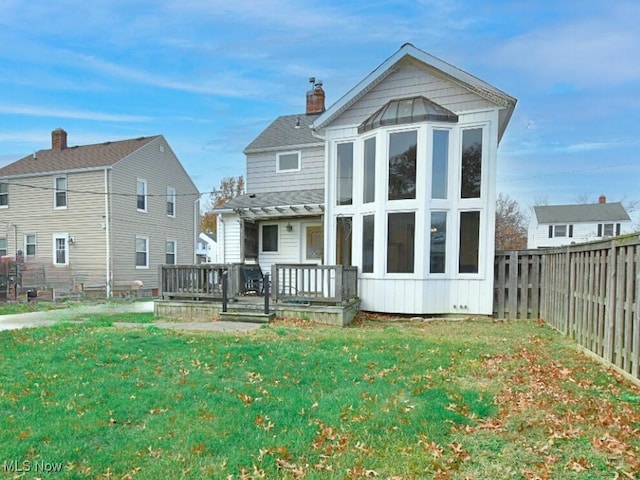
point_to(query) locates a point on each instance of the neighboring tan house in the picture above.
(99, 217)
(207, 248)
(557, 225)
(397, 177)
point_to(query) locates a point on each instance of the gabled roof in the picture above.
(288, 131)
(454, 74)
(75, 158)
(590, 212)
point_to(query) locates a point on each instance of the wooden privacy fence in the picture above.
(517, 282)
(589, 292)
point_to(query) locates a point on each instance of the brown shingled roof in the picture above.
(72, 158)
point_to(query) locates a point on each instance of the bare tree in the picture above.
(511, 224)
(230, 187)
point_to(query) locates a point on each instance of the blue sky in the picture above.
(210, 75)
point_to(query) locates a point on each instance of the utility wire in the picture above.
(566, 172)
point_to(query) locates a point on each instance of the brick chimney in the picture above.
(315, 97)
(602, 199)
(58, 139)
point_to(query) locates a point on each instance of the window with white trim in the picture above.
(4, 195)
(469, 253)
(269, 238)
(3, 246)
(142, 252)
(61, 249)
(288, 162)
(141, 195)
(60, 192)
(30, 246)
(170, 256)
(171, 202)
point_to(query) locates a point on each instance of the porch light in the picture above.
(289, 227)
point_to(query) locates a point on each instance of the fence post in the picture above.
(225, 287)
(266, 293)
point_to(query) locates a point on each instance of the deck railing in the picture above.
(313, 283)
(197, 282)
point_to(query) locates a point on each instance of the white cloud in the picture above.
(39, 111)
(600, 50)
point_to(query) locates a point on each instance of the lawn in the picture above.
(443, 400)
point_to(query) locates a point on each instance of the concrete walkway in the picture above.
(40, 319)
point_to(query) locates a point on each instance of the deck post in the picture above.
(266, 293)
(225, 288)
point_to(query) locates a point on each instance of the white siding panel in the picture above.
(262, 176)
(229, 239)
(426, 297)
(412, 80)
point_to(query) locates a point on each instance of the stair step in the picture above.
(247, 316)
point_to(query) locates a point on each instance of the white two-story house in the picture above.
(397, 177)
(98, 217)
(557, 225)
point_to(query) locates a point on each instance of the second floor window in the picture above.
(141, 195)
(4, 195)
(60, 192)
(288, 162)
(171, 202)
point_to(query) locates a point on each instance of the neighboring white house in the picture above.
(397, 177)
(557, 225)
(207, 248)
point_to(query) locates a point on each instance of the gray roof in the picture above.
(74, 158)
(275, 199)
(588, 212)
(283, 133)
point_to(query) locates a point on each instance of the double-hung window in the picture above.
(4, 195)
(171, 202)
(141, 195)
(142, 252)
(3, 246)
(170, 252)
(60, 192)
(30, 245)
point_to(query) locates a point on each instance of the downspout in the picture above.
(196, 229)
(107, 233)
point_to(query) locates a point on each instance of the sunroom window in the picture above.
(402, 165)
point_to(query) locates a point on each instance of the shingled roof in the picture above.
(75, 158)
(287, 131)
(590, 212)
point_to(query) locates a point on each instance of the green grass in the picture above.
(439, 400)
(26, 307)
